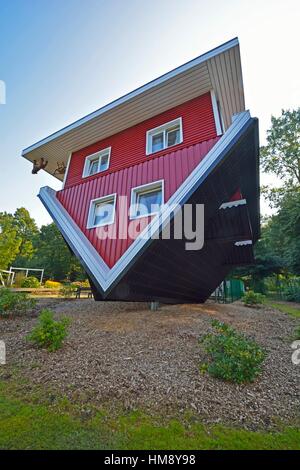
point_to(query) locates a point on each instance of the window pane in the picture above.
(94, 166)
(104, 163)
(173, 136)
(149, 202)
(157, 142)
(104, 213)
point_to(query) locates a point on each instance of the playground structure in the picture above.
(7, 278)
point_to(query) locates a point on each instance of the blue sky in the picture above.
(61, 59)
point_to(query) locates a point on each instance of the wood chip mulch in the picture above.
(124, 354)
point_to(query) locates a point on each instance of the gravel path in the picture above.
(122, 353)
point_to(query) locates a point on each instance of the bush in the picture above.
(14, 304)
(232, 356)
(252, 298)
(292, 294)
(297, 333)
(81, 283)
(53, 285)
(49, 333)
(30, 281)
(67, 291)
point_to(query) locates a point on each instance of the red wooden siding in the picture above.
(129, 146)
(173, 168)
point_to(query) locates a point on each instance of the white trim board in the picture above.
(216, 112)
(101, 272)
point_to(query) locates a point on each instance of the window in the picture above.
(164, 136)
(146, 200)
(97, 162)
(102, 211)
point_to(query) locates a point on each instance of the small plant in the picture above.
(67, 291)
(297, 333)
(53, 284)
(14, 304)
(49, 333)
(251, 298)
(232, 356)
(30, 281)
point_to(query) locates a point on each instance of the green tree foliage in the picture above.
(281, 155)
(9, 240)
(24, 245)
(27, 230)
(16, 235)
(52, 254)
(281, 233)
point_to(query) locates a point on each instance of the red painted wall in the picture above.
(129, 146)
(173, 167)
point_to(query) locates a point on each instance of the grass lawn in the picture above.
(284, 307)
(34, 419)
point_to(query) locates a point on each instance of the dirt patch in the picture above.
(124, 354)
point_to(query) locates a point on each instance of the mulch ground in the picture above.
(124, 354)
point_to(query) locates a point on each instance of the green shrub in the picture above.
(13, 304)
(67, 291)
(232, 356)
(30, 281)
(53, 284)
(252, 298)
(49, 333)
(297, 332)
(292, 294)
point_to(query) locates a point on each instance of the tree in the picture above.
(284, 230)
(278, 250)
(52, 254)
(10, 241)
(281, 155)
(26, 230)
(17, 232)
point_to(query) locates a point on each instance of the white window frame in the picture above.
(93, 204)
(144, 188)
(163, 128)
(93, 156)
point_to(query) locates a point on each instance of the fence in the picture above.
(282, 289)
(228, 291)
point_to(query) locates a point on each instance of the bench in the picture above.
(79, 290)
